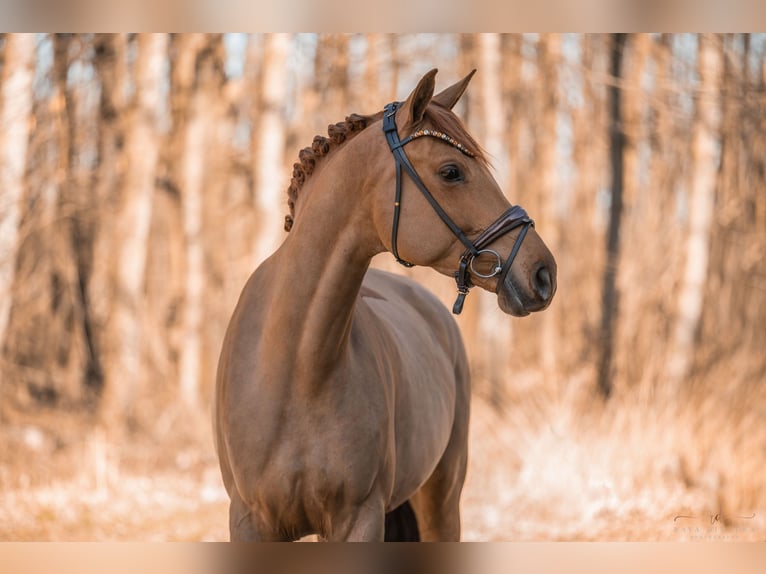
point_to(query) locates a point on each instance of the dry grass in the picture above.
(561, 466)
(80, 484)
(549, 464)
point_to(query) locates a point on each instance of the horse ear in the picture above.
(449, 97)
(416, 103)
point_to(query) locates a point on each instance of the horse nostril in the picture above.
(543, 284)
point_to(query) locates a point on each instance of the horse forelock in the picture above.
(437, 116)
(443, 120)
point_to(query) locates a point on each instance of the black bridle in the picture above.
(514, 217)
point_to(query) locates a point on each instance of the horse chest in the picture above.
(314, 472)
(312, 452)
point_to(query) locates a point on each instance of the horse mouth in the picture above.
(520, 302)
(509, 301)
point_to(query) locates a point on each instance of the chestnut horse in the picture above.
(342, 396)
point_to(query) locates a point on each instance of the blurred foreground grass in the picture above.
(651, 464)
(547, 462)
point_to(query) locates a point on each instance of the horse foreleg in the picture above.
(364, 523)
(437, 502)
(242, 527)
(437, 506)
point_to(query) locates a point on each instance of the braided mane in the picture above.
(320, 147)
(439, 117)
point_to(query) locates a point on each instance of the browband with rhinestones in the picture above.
(442, 136)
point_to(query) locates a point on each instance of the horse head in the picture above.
(437, 204)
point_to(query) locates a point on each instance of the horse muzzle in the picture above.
(521, 293)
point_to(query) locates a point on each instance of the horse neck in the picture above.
(318, 272)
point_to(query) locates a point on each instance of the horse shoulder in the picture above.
(405, 297)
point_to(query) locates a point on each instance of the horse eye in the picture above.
(451, 173)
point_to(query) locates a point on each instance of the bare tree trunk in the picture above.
(124, 371)
(331, 74)
(77, 125)
(324, 95)
(110, 66)
(649, 310)
(70, 236)
(372, 64)
(205, 109)
(762, 71)
(524, 123)
(395, 60)
(701, 207)
(83, 233)
(493, 116)
(269, 147)
(493, 353)
(631, 357)
(610, 295)
(548, 222)
(15, 114)
(183, 218)
(470, 318)
(232, 232)
(633, 109)
(513, 108)
(660, 176)
(589, 155)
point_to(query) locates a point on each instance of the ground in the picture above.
(65, 480)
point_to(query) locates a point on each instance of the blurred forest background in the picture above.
(143, 177)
